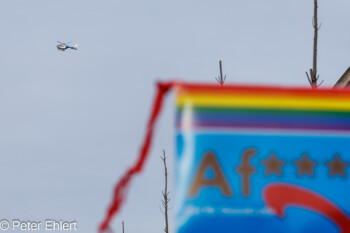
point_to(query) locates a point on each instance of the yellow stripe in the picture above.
(280, 102)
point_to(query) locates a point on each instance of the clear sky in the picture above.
(72, 122)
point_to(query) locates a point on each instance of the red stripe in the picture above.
(122, 185)
(279, 196)
(263, 90)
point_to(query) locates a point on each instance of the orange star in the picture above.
(305, 166)
(273, 165)
(337, 167)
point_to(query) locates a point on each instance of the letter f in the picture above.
(246, 170)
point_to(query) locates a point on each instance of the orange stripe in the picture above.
(334, 93)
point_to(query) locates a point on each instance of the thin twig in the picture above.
(313, 78)
(221, 79)
(165, 193)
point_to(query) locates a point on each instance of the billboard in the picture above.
(254, 159)
(262, 159)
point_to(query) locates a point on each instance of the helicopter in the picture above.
(63, 46)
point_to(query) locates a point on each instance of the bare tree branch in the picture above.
(320, 83)
(165, 194)
(220, 78)
(313, 77)
(308, 78)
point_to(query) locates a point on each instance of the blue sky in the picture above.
(72, 122)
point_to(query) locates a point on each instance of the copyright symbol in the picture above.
(4, 225)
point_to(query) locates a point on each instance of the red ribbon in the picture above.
(279, 196)
(122, 185)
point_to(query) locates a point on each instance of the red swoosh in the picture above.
(121, 187)
(279, 196)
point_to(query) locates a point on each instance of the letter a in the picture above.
(218, 180)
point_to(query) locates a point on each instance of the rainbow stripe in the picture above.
(247, 107)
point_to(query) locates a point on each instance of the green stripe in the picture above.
(231, 110)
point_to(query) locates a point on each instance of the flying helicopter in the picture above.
(63, 46)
